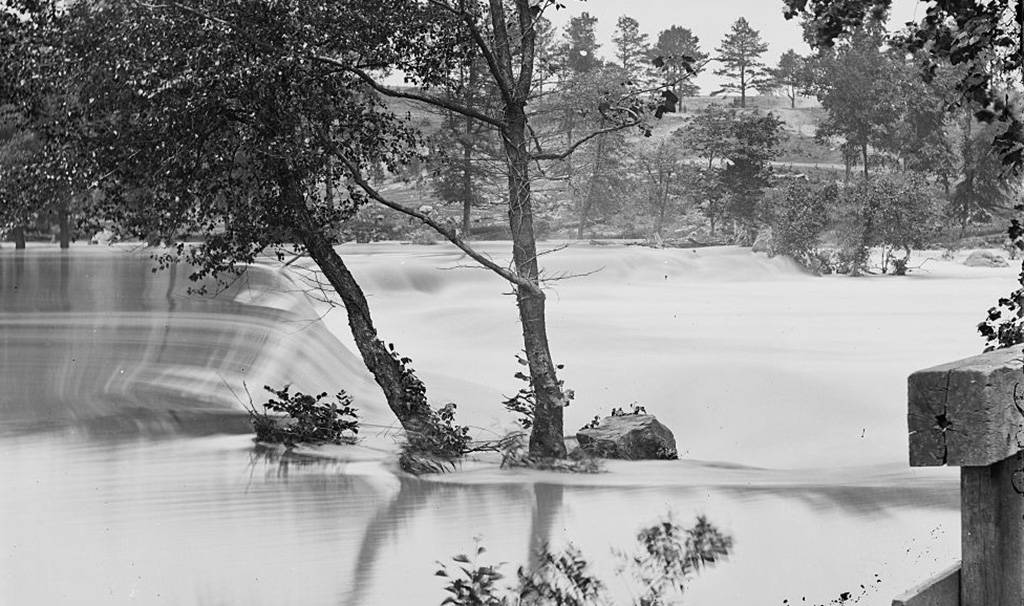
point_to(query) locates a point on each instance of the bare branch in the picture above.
(597, 133)
(447, 232)
(422, 98)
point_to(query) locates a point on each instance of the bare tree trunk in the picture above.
(546, 438)
(18, 235)
(404, 392)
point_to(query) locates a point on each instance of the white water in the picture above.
(794, 384)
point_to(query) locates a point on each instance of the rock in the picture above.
(985, 258)
(763, 243)
(628, 437)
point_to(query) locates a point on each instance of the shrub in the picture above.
(797, 213)
(305, 418)
(894, 212)
(437, 446)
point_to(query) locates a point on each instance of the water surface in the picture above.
(129, 476)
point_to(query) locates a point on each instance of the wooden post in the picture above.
(970, 414)
(992, 518)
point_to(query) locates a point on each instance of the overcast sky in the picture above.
(710, 20)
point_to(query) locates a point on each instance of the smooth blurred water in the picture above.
(128, 475)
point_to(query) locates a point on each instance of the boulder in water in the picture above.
(985, 258)
(630, 436)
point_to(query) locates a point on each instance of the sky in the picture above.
(709, 21)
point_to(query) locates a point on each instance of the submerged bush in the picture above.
(305, 418)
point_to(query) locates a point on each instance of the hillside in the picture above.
(799, 153)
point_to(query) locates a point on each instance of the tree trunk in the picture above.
(64, 220)
(404, 392)
(467, 187)
(864, 157)
(588, 201)
(546, 438)
(743, 87)
(18, 235)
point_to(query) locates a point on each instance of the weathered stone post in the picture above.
(970, 414)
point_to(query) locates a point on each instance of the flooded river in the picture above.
(129, 476)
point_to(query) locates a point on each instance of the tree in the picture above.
(923, 138)
(228, 133)
(743, 144)
(857, 84)
(39, 186)
(464, 148)
(983, 37)
(983, 186)
(753, 144)
(631, 47)
(740, 56)
(579, 46)
(664, 174)
(791, 75)
(676, 59)
(505, 35)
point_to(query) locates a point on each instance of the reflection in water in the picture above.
(126, 479)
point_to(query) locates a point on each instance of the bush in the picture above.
(437, 446)
(797, 213)
(895, 212)
(305, 418)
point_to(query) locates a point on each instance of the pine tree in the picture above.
(791, 75)
(740, 56)
(580, 45)
(631, 45)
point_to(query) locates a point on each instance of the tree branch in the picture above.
(597, 133)
(504, 85)
(447, 232)
(343, 66)
(422, 98)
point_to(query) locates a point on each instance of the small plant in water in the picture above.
(305, 418)
(524, 403)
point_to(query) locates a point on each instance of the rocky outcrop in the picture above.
(628, 436)
(985, 258)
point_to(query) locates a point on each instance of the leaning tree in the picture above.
(194, 127)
